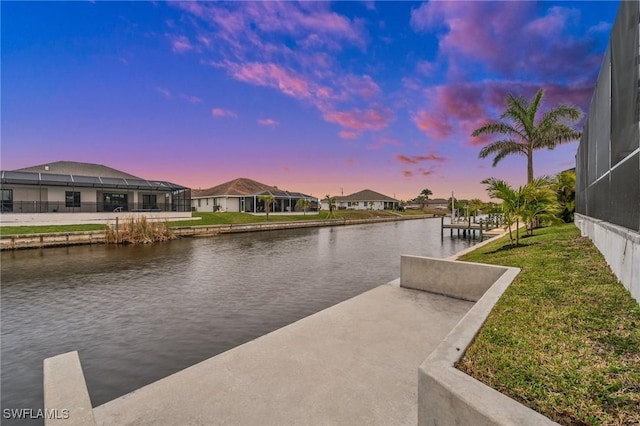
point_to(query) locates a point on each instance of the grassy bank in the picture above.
(210, 219)
(564, 339)
(232, 218)
(49, 229)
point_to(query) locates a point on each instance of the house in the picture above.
(436, 203)
(73, 187)
(243, 195)
(363, 200)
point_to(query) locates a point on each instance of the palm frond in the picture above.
(496, 128)
(502, 148)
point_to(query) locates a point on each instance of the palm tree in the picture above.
(541, 203)
(267, 199)
(303, 204)
(512, 203)
(426, 192)
(332, 205)
(565, 186)
(527, 133)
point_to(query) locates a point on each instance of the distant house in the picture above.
(73, 187)
(363, 200)
(243, 195)
(436, 203)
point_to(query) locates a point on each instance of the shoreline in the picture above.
(65, 239)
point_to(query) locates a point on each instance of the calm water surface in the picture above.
(137, 314)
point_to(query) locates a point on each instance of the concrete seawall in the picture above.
(12, 242)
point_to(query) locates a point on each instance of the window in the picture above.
(72, 199)
(199, 202)
(6, 200)
(149, 201)
(113, 201)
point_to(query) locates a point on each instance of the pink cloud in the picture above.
(383, 141)
(407, 173)
(375, 118)
(457, 109)
(164, 92)
(179, 43)
(276, 76)
(363, 86)
(242, 20)
(351, 161)
(221, 112)
(552, 24)
(269, 122)
(426, 68)
(434, 123)
(416, 159)
(191, 99)
(348, 134)
(491, 34)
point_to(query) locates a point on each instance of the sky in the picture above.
(314, 97)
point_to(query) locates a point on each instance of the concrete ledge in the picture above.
(66, 398)
(447, 396)
(462, 280)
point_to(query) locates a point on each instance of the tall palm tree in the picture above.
(267, 199)
(527, 132)
(426, 193)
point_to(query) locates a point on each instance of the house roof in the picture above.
(73, 174)
(366, 195)
(242, 187)
(76, 168)
(438, 201)
(238, 187)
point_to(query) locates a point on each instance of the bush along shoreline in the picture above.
(138, 231)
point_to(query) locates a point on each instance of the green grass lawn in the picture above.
(564, 339)
(230, 218)
(21, 230)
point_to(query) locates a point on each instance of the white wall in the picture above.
(619, 246)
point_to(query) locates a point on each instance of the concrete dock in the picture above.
(354, 363)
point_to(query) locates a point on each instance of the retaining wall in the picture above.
(619, 246)
(446, 395)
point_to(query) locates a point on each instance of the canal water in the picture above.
(136, 314)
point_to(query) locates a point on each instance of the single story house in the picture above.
(363, 200)
(243, 195)
(436, 203)
(73, 187)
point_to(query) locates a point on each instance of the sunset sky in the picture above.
(315, 97)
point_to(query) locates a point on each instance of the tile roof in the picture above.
(238, 187)
(366, 195)
(242, 187)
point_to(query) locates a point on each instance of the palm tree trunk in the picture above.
(517, 232)
(510, 235)
(530, 167)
